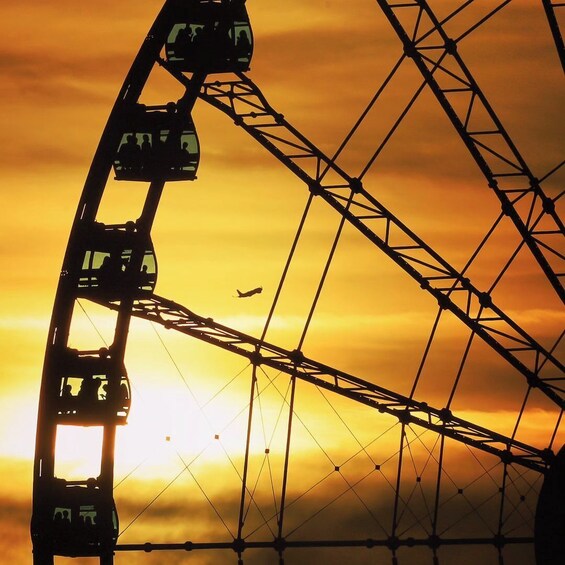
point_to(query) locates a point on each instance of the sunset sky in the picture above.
(319, 63)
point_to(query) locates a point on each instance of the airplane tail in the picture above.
(239, 293)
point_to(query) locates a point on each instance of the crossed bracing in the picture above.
(408, 411)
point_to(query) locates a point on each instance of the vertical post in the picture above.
(118, 348)
(501, 514)
(549, 8)
(397, 496)
(106, 485)
(246, 460)
(286, 462)
(436, 503)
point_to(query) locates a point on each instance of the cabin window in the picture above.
(106, 270)
(211, 37)
(73, 526)
(89, 400)
(157, 144)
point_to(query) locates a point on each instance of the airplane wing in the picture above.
(249, 293)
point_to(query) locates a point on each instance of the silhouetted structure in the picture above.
(158, 143)
(550, 515)
(214, 37)
(87, 397)
(115, 266)
(106, 270)
(68, 523)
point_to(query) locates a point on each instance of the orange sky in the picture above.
(319, 63)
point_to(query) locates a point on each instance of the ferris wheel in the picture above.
(428, 481)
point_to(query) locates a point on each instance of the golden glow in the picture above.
(319, 63)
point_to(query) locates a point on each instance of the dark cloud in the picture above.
(332, 510)
(353, 502)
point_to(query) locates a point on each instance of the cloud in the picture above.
(319, 64)
(344, 506)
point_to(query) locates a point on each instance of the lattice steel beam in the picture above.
(518, 190)
(242, 101)
(408, 411)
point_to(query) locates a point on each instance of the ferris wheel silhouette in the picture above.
(429, 483)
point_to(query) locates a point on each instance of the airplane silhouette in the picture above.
(251, 292)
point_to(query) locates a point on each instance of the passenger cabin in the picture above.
(90, 391)
(158, 143)
(67, 520)
(105, 271)
(211, 36)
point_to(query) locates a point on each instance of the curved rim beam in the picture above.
(67, 292)
(407, 410)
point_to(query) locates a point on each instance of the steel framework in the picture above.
(515, 466)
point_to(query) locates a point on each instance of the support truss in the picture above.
(240, 545)
(242, 101)
(408, 411)
(522, 199)
(550, 8)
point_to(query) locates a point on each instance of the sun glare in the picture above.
(78, 451)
